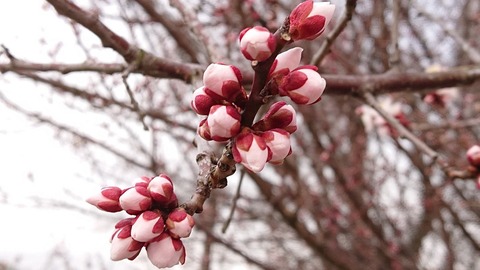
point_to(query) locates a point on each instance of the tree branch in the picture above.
(149, 62)
(332, 36)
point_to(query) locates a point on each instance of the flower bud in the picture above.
(124, 246)
(371, 119)
(203, 130)
(142, 179)
(136, 199)
(223, 82)
(202, 102)
(278, 142)
(303, 85)
(286, 62)
(147, 226)
(279, 115)
(165, 251)
(107, 199)
(223, 122)
(473, 155)
(257, 43)
(161, 189)
(309, 19)
(250, 150)
(179, 223)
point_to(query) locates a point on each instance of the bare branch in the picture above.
(149, 62)
(330, 39)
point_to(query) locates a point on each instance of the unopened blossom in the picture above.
(279, 115)
(165, 251)
(223, 82)
(123, 245)
(179, 223)
(371, 119)
(473, 155)
(203, 130)
(250, 150)
(286, 62)
(442, 97)
(147, 226)
(223, 122)
(256, 43)
(107, 199)
(160, 189)
(309, 19)
(136, 199)
(201, 101)
(278, 142)
(303, 85)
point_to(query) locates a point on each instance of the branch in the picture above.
(73, 132)
(100, 101)
(457, 124)
(370, 99)
(173, 28)
(400, 82)
(332, 36)
(104, 68)
(212, 174)
(149, 62)
(472, 53)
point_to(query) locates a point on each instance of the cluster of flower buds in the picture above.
(158, 222)
(372, 120)
(473, 157)
(223, 99)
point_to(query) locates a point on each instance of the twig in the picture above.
(7, 53)
(346, 17)
(472, 53)
(133, 66)
(105, 68)
(395, 51)
(129, 52)
(234, 203)
(448, 125)
(370, 99)
(212, 174)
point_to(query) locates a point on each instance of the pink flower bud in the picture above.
(223, 82)
(303, 85)
(280, 115)
(250, 150)
(107, 199)
(223, 122)
(124, 246)
(179, 223)
(373, 120)
(165, 251)
(309, 19)
(278, 142)
(257, 43)
(203, 130)
(136, 199)
(142, 179)
(161, 189)
(147, 226)
(202, 102)
(286, 62)
(473, 155)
